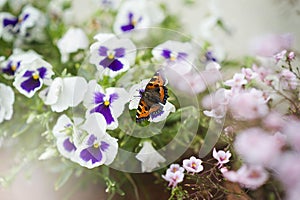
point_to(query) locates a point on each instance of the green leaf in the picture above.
(64, 177)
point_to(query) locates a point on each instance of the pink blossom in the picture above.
(192, 165)
(292, 131)
(288, 80)
(214, 100)
(250, 177)
(280, 56)
(190, 83)
(249, 74)
(248, 105)
(291, 56)
(262, 72)
(221, 156)
(173, 178)
(175, 167)
(273, 121)
(237, 81)
(287, 169)
(256, 146)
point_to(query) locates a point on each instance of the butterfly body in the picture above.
(152, 98)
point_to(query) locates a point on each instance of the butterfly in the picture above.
(153, 98)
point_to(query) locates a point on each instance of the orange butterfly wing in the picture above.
(154, 94)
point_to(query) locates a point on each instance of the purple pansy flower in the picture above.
(112, 55)
(132, 23)
(110, 103)
(32, 76)
(12, 65)
(98, 147)
(134, 15)
(178, 56)
(67, 136)
(27, 25)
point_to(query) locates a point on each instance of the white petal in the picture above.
(117, 106)
(168, 107)
(112, 150)
(74, 89)
(95, 124)
(60, 126)
(134, 94)
(7, 99)
(149, 157)
(93, 87)
(54, 91)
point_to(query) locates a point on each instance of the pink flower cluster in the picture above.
(175, 173)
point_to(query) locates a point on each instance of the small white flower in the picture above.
(149, 157)
(66, 44)
(237, 81)
(7, 99)
(32, 76)
(221, 156)
(173, 177)
(192, 165)
(63, 93)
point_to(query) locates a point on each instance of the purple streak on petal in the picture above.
(25, 17)
(182, 55)
(91, 140)
(98, 97)
(68, 145)
(28, 73)
(119, 52)
(42, 72)
(112, 64)
(105, 111)
(102, 51)
(12, 21)
(30, 84)
(104, 146)
(7, 70)
(91, 153)
(127, 27)
(141, 91)
(209, 57)
(166, 53)
(113, 97)
(130, 17)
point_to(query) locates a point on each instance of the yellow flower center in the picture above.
(13, 67)
(133, 22)
(106, 103)
(35, 76)
(194, 165)
(173, 57)
(111, 55)
(96, 145)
